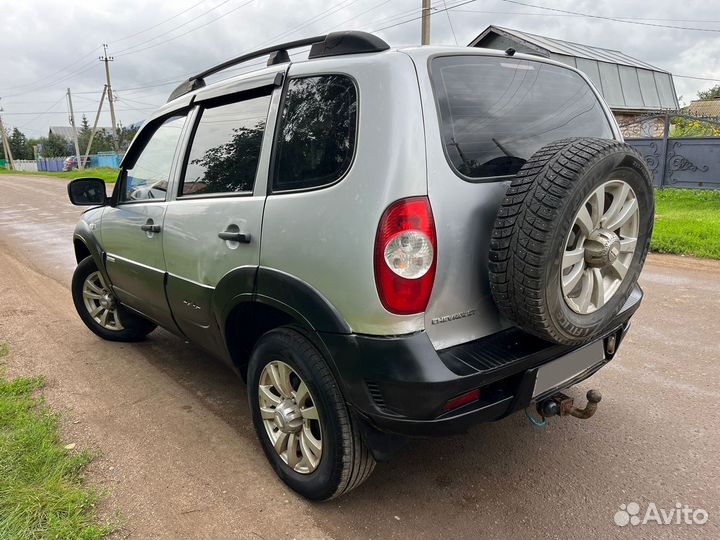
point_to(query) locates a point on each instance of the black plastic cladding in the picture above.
(333, 44)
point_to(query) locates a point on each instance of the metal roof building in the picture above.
(627, 84)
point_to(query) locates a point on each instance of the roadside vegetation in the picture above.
(104, 173)
(41, 485)
(687, 222)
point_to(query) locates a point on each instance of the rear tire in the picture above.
(344, 460)
(96, 305)
(571, 237)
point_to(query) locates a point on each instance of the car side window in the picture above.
(316, 139)
(225, 149)
(147, 179)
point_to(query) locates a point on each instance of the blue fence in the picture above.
(50, 164)
(109, 159)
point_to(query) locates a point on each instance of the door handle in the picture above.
(231, 236)
(149, 227)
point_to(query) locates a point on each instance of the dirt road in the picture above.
(180, 458)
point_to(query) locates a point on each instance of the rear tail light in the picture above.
(405, 256)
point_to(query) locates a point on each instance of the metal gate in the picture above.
(686, 162)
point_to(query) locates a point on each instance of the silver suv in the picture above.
(383, 243)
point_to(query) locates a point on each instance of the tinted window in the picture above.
(148, 178)
(226, 147)
(317, 132)
(497, 112)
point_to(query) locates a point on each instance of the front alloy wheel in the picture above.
(100, 311)
(100, 302)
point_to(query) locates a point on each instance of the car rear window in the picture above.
(497, 112)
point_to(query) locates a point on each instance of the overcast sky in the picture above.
(46, 46)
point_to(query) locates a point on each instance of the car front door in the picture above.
(212, 229)
(132, 227)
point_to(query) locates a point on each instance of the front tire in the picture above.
(98, 309)
(308, 434)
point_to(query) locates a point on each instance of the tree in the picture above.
(228, 167)
(712, 93)
(18, 144)
(55, 145)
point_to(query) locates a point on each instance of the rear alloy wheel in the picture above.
(307, 432)
(99, 310)
(571, 237)
(290, 417)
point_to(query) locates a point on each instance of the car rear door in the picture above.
(132, 227)
(213, 224)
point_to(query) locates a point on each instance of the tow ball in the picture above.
(562, 405)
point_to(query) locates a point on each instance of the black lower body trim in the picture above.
(400, 385)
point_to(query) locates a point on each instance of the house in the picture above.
(633, 89)
(66, 132)
(709, 108)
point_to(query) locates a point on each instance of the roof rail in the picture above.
(333, 44)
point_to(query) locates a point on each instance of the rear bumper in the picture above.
(399, 385)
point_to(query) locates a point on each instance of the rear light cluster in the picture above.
(405, 256)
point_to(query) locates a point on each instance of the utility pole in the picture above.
(6, 145)
(425, 22)
(97, 117)
(105, 58)
(75, 133)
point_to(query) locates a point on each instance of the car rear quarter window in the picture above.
(316, 137)
(225, 148)
(497, 112)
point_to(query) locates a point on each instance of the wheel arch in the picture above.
(85, 244)
(279, 299)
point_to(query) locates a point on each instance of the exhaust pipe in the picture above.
(562, 405)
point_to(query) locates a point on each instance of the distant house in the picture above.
(67, 131)
(633, 89)
(705, 107)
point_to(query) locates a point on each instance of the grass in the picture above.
(104, 173)
(41, 484)
(687, 222)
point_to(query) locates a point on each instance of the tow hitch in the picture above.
(562, 405)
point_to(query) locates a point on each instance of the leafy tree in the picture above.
(55, 145)
(712, 93)
(228, 167)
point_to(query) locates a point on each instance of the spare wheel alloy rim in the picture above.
(290, 417)
(600, 247)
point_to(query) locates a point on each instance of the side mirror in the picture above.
(87, 192)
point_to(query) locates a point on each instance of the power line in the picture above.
(136, 45)
(434, 12)
(580, 16)
(615, 19)
(160, 23)
(134, 50)
(50, 75)
(55, 82)
(447, 12)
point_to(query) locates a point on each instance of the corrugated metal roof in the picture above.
(559, 46)
(625, 82)
(67, 131)
(705, 107)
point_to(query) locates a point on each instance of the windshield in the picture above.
(497, 112)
